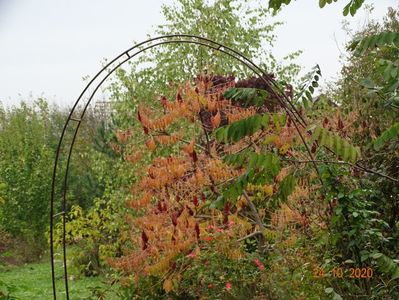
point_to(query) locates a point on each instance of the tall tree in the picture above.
(243, 25)
(350, 8)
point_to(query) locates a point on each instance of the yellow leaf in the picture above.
(234, 254)
(268, 189)
(168, 285)
(270, 235)
(202, 100)
(270, 139)
(284, 148)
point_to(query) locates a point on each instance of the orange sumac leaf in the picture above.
(168, 285)
(122, 136)
(144, 238)
(133, 158)
(151, 144)
(189, 149)
(141, 202)
(211, 105)
(215, 120)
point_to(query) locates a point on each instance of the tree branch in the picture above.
(339, 162)
(254, 211)
(249, 236)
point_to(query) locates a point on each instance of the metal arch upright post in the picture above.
(124, 57)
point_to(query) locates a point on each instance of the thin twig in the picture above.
(197, 145)
(203, 216)
(249, 236)
(307, 149)
(339, 162)
(254, 211)
(252, 143)
(208, 145)
(261, 239)
(181, 140)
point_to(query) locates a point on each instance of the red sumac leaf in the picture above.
(164, 101)
(226, 209)
(190, 211)
(195, 201)
(138, 115)
(159, 206)
(194, 156)
(314, 147)
(179, 98)
(197, 230)
(340, 124)
(203, 198)
(325, 122)
(144, 239)
(174, 219)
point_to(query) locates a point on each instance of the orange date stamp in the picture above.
(340, 272)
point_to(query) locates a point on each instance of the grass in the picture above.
(33, 282)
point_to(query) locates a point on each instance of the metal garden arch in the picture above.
(75, 121)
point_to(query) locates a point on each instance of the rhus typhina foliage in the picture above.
(218, 172)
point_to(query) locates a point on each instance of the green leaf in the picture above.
(335, 143)
(352, 10)
(265, 120)
(349, 261)
(218, 203)
(329, 290)
(261, 169)
(242, 128)
(276, 122)
(308, 87)
(376, 255)
(276, 4)
(373, 41)
(323, 137)
(368, 83)
(316, 133)
(246, 96)
(386, 265)
(394, 72)
(330, 143)
(337, 296)
(268, 162)
(287, 186)
(220, 134)
(346, 10)
(392, 87)
(388, 135)
(270, 139)
(246, 127)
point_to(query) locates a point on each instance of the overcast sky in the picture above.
(47, 46)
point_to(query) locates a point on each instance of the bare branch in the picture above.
(249, 236)
(254, 211)
(339, 162)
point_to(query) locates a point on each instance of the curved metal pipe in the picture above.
(174, 39)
